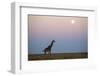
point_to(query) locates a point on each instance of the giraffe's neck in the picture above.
(51, 44)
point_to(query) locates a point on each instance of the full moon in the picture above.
(72, 21)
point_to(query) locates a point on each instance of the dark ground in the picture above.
(57, 56)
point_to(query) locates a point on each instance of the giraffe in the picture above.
(48, 49)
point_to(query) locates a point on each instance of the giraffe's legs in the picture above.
(49, 52)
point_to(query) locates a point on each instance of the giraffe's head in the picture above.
(53, 41)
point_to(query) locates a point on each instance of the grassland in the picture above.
(57, 56)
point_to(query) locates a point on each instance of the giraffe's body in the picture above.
(48, 49)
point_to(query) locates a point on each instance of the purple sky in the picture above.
(70, 33)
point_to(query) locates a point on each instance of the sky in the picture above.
(70, 34)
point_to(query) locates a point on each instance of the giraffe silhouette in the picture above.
(48, 49)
